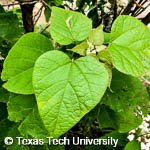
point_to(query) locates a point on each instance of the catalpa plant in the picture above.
(51, 89)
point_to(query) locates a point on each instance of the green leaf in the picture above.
(107, 118)
(126, 61)
(128, 92)
(9, 26)
(96, 37)
(80, 49)
(18, 66)
(118, 120)
(133, 145)
(5, 126)
(4, 95)
(109, 70)
(128, 98)
(130, 38)
(13, 132)
(66, 90)
(106, 38)
(122, 137)
(58, 2)
(10, 129)
(69, 26)
(19, 106)
(105, 56)
(47, 14)
(146, 59)
(33, 126)
(54, 2)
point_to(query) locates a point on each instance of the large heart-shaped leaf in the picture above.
(18, 66)
(69, 26)
(130, 38)
(66, 89)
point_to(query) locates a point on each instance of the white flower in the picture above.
(72, 4)
(94, 52)
(144, 135)
(139, 139)
(91, 46)
(123, 3)
(148, 144)
(1, 58)
(106, 10)
(147, 118)
(88, 52)
(143, 146)
(108, 5)
(131, 137)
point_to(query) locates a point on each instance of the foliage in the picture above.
(89, 79)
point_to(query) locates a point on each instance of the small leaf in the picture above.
(19, 106)
(69, 26)
(66, 90)
(92, 54)
(33, 125)
(58, 2)
(18, 66)
(119, 121)
(105, 56)
(122, 137)
(133, 145)
(128, 92)
(100, 48)
(107, 118)
(106, 38)
(13, 132)
(96, 37)
(47, 14)
(129, 96)
(80, 49)
(109, 70)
